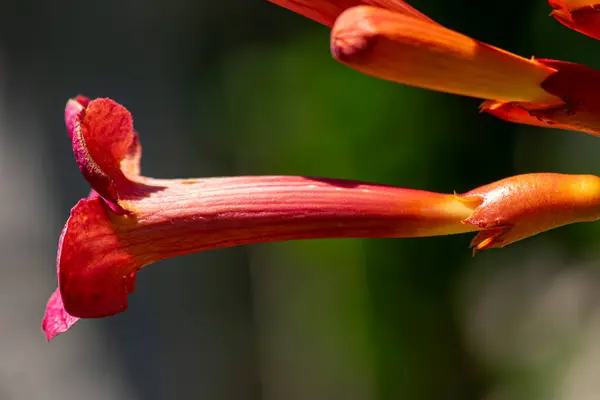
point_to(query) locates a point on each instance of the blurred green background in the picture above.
(243, 88)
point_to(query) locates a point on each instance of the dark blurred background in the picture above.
(241, 87)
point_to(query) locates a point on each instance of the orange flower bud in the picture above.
(408, 50)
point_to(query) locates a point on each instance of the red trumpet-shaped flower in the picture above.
(130, 221)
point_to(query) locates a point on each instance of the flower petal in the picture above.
(580, 15)
(577, 84)
(106, 148)
(574, 118)
(517, 113)
(72, 109)
(407, 50)
(95, 271)
(327, 11)
(56, 319)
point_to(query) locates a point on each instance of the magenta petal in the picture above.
(56, 320)
(72, 109)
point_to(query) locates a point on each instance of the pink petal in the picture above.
(56, 319)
